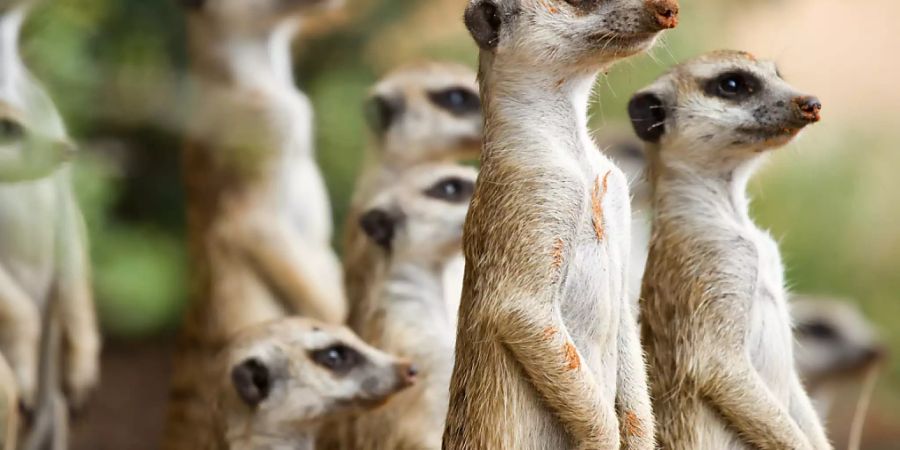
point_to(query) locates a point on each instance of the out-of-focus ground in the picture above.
(116, 68)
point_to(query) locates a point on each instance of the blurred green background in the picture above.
(115, 69)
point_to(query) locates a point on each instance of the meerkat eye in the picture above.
(817, 330)
(734, 85)
(338, 358)
(457, 100)
(10, 130)
(455, 190)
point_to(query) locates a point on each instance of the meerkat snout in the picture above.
(665, 12)
(809, 108)
(251, 381)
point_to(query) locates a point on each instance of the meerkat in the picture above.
(835, 345)
(259, 224)
(417, 225)
(48, 329)
(9, 407)
(277, 382)
(419, 113)
(547, 352)
(714, 314)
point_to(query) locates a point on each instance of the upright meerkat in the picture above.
(259, 222)
(834, 346)
(715, 319)
(278, 381)
(547, 352)
(48, 329)
(417, 225)
(419, 113)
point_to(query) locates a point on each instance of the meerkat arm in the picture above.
(735, 389)
(76, 308)
(289, 266)
(804, 413)
(20, 330)
(535, 334)
(632, 394)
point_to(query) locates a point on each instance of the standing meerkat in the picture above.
(277, 382)
(48, 328)
(259, 223)
(417, 225)
(547, 352)
(835, 345)
(419, 113)
(714, 315)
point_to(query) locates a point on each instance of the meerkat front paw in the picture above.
(82, 371)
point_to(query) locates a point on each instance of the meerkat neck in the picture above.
(414, 280)
(10, 28)
(680, 188)
(260, 60)
(536, 110)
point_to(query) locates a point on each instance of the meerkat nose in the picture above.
(875, 354)
(408, 373)
(665, 12)
(810, 107)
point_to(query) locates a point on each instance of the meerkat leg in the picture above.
(535, 334)
(804, 413)
(81, 338)
(9, 422)
(632, 394)
(290, 266)
(20, 335)
(735, 390)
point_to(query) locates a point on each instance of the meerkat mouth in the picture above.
(623, 43)
(774, 135)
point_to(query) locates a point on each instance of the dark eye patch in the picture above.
(735, 85)
(338, 358)
(817, 330)
(452, 189)
(459, 101)
(10, 130)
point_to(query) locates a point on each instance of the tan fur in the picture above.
(423, 132)
(49, 333)
(282, 403)
(715, 318)
(259, 224)
(9, 408)
(549, 357)
(408, 314)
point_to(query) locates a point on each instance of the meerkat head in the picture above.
(720, 108)
(426, 111)
(834, 340)
(253, 15)
(573, 33)
(298, 372)
(422, 215)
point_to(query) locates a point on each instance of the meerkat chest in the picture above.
(29, 216)
(770, 338)
(594, 282)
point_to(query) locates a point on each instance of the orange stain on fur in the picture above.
(572, 356)
(558, 248)
(549, 332)
(600, 188)
(632, 425)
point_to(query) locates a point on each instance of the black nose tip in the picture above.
(382, 111)
(379, 226)
(876, 354)
(810, 108)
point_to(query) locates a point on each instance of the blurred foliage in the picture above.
(114, 67)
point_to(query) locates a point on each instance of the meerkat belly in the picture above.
(28, 222)
(305, 197)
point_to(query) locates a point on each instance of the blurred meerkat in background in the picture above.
(259, 220)
(835, 346)
(277, 382)
(417, 226)
(418, 113)
(48, 327)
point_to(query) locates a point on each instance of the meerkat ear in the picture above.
(483, 20)
(379, 226)
(252, 381)
(648, 116)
